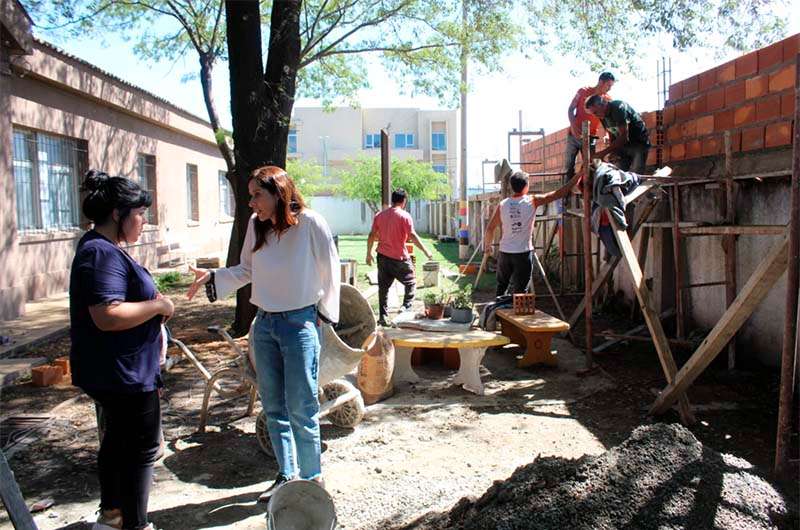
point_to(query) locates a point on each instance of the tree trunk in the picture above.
(206, 68)
(261, 109)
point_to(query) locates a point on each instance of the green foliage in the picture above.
(462, 297)
(362, 180)
(307, 176)
(168, 280)
(433, 296)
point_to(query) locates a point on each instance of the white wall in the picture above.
(344, 215)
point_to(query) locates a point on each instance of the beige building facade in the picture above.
(332, 137)
(60, 116)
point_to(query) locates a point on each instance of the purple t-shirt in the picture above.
(111, 361)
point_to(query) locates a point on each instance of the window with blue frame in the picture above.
(291, 147)
(372, 141)
(440, 168)
(403, 140)
(438, 141)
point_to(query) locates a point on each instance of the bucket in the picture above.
(430, 274)
(301, 505)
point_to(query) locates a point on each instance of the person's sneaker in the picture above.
(108, 520)
(280, 480)
(382, 322)
(407, 307)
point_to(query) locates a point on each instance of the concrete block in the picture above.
(744, 114)
(770, 56)
(726, 72)
(791, 47)
(676, 91)
(782, 79)
(753, 138)
(690, 86)
(768, 108)
(734, 94)
(787, 104)
(715, 99)
(778, 134)
(693, 149)
(723, 120)
(747, 64)
(46, 375)
(707, 80)
(705, 125)
(755, 87)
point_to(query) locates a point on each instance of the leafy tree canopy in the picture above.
(362, 180)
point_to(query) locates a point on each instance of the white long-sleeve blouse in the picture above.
(299, 269)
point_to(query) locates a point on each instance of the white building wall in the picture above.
(347, 216)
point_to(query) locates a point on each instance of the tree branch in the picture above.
(351, 51)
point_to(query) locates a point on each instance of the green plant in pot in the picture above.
(434, 303)
(462, 305)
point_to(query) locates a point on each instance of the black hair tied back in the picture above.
(105, 193)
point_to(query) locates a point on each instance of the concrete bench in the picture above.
(534, 333)
(471, 347)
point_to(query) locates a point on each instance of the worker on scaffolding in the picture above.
(630, 140)
(578, 114)
(515, 216)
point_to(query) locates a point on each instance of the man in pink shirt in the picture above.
(392, 228)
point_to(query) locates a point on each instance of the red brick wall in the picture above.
(752, 96)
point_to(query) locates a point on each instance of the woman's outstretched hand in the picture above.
(201, 277)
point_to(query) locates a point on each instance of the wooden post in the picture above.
(13, 499)
(729, 242)
(790, 343)
(651, 318)
(680, 315)
(761, 281)
(587, 239)
(644, 247)
(386, 171)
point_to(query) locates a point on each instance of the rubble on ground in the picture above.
(660, 477)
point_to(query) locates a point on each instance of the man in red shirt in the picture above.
(578, 114)
(392, 228)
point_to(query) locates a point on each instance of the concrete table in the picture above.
(471, 347)
(534, 332)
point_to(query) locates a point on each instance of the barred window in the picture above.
(192, 199)
(146, 178)
(46, 171)
(226, 199)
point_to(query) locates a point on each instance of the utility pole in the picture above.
(386, 171)
(463, 213)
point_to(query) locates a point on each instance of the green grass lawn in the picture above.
(355, 247)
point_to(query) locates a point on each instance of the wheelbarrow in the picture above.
(342, 348)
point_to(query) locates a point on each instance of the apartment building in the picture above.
(334, 137)
(60, 115)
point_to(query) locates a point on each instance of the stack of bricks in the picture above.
(751, 96)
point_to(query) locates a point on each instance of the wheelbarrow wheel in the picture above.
(351, 413)
(263, 435)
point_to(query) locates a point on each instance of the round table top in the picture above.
(476, 338)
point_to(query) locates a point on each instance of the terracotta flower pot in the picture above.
(434, 311)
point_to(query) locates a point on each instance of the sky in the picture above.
(541, 90)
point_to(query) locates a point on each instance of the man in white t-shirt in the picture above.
(515, 216)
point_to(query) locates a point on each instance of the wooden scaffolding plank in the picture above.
(753, 292)
(732, 230)
(606, 271)
(12, 498)
(651, 318)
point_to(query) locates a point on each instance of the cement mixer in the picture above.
(342, 349)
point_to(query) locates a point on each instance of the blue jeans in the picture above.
(286, 347)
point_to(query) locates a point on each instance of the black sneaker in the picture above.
(382, 322)
(280, 480)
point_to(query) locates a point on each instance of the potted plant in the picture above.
(434, 303)
(462, 305)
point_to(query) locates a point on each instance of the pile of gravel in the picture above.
(660, 477)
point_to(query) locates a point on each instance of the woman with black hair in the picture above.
(289, 257)
(116, 314)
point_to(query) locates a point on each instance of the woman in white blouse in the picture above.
(290, 258)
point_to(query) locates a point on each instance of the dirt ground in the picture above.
(424, 449)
